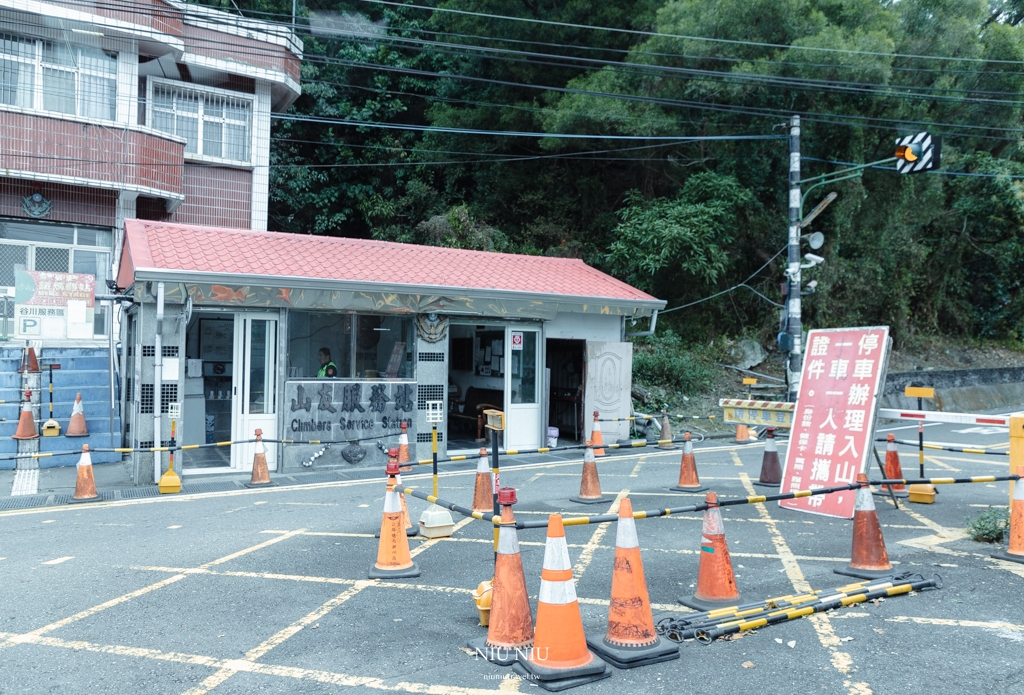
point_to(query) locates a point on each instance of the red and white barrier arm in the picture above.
(934, 416)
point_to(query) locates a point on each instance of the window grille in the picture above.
(214, 125)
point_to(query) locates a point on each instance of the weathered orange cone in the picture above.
(260, 472)
(1015, 550)
(716, 583)
(590, 485)
(596, 437)
(403, 449)
(85, 486)
(560, 658)
(893, 470)
(483, 493)
(688, 479)
(410, 530)
(666, 433)
(742, 434)
(771, 470)
(631, 640)
(868, 559)
(26, 423)
(29, 363)
(393, 558)
(77, 428)
(510, 630)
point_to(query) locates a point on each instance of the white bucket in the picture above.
(552, 437)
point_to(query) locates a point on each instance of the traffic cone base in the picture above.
(550, 680)
(698, 488)
(868, 557)
(633, 657)
(85, 485)
(1009, 557)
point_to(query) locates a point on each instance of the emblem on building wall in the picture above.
(36, 205)
(431, 327)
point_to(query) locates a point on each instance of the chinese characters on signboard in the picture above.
(361, 412)
(835, 415)
(53, 305)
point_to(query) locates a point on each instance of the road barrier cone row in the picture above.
(403, 448)
(596, 437)
(590, 484)
(483, 492)
(260, 472)
(1015, 550)
(771, 470)
(666, 433)
(560, 658)
(77, 428)
(393, 558)
(510, 625)
(85, 485)
(893, 470)
(631, 640)
(688, 478)
(29, 363)
(716, 583)
(26, 423)
(868, 558)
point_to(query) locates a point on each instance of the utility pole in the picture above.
(793, 324)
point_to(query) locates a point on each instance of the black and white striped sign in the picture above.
(931, 147)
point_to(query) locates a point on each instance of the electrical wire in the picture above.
(733, 288)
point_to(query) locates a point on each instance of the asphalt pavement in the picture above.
(243, 591)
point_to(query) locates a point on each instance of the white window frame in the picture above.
(38, 67)
(202, 92)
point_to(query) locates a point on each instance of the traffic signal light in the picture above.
(917, 153)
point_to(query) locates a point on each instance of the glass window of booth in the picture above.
(359, 346)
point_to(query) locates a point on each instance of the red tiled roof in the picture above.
(173, 247)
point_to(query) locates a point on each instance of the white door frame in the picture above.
(520, 435)
(243, 422)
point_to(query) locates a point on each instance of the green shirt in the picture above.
(323, 370)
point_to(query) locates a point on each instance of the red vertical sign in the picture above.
(835, 416)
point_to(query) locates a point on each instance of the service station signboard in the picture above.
(834, 422)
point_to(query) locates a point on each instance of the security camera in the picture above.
(811, 260)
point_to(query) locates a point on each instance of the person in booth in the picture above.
(327, 367)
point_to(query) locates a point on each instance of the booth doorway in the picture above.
(230, 388)
(567, 363)
(494, 366)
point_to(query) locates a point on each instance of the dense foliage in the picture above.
(924, 253)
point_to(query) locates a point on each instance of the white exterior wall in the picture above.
(593, 327)
(260, 156)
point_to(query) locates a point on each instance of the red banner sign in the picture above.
(835, 416)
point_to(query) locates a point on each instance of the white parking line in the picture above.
(59, 560)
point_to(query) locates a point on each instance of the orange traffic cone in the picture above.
(510, 630)
(893, 470)
(716, 584)
(596, 437)
(403, 449)
(688, 480)
(742, 434)
(666, 433)
(410, 530)
(393, 558)
(1015, 551)
(631, 640)
(868, 559)
(77, 428)
(260, 472)
(771, 470)
(85, 486)
(29, 363)
(590, 485)
(560, 658)
(483, 493)
(26, 423)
